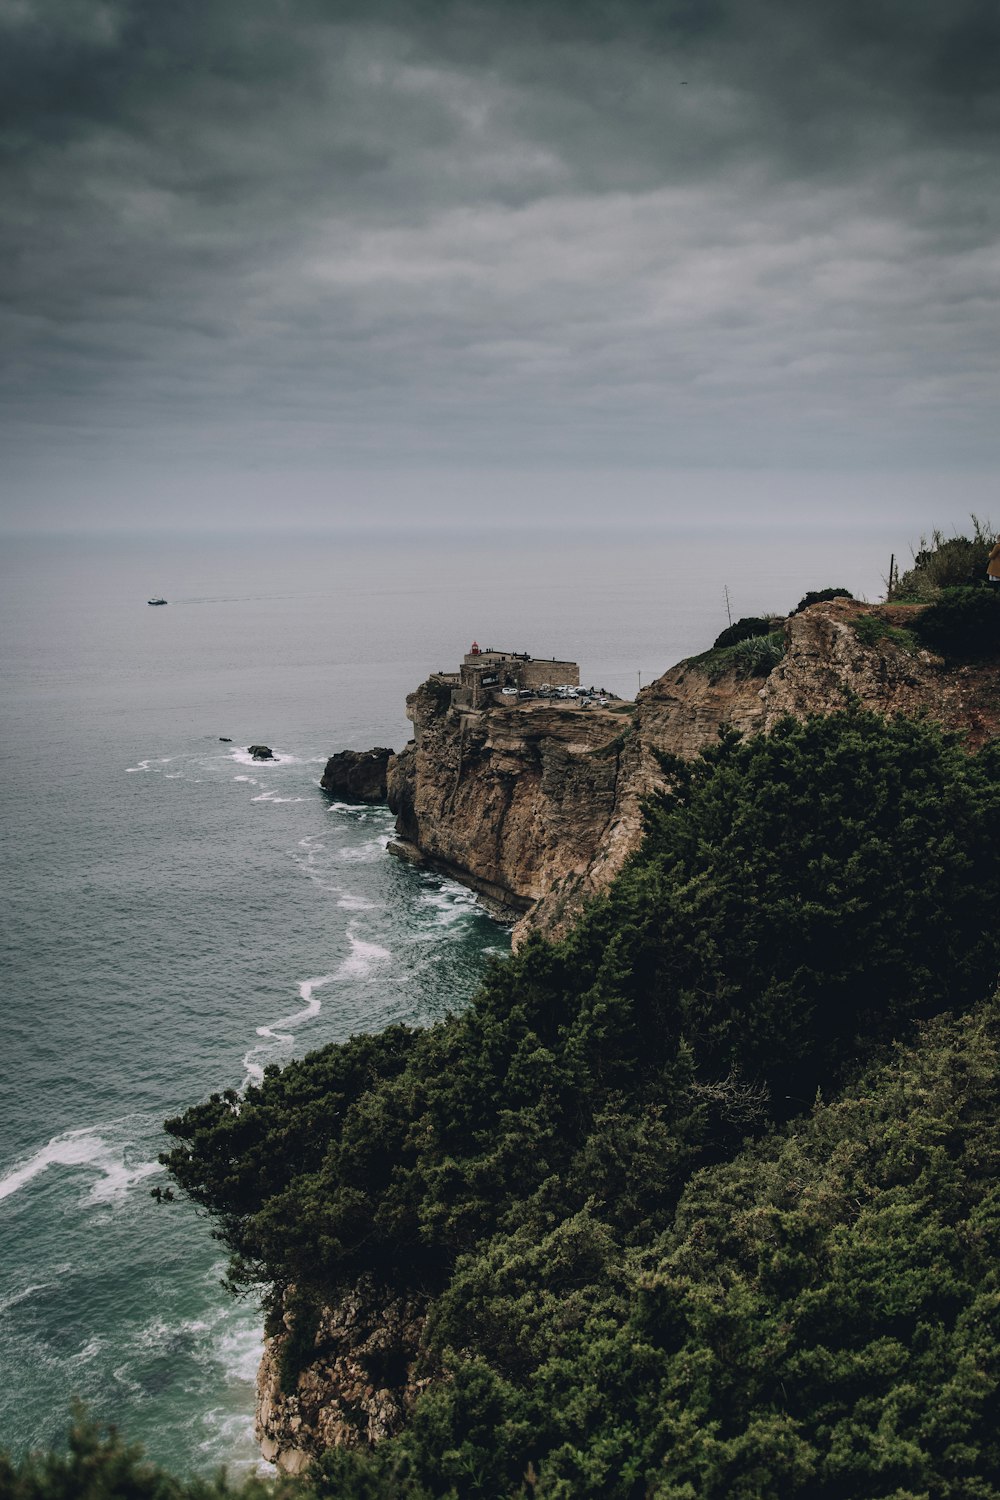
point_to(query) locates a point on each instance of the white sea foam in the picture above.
(250, 780)
(363, 958)
(279, 758)
(272, 796)
(113, 1186)
(147, 765)
(313, 864)
(451, 901)
(24, 1294)
(239, 1350)
(366, 853)
(275, 1032)
(350, 902)
(165, 1333)
(91, 1349)
(312, 1008)
(232, 1433)
(81, 1148)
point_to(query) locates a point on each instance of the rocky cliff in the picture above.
(356, 1387)
(538, 805)
(509, 799)
(357, 775)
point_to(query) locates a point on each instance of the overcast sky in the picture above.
(296, 263)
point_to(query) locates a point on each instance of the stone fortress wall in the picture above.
(486, 672)
(537, 671)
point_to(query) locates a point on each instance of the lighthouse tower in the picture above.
(474, 649)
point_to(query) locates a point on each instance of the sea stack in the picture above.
(357, 775)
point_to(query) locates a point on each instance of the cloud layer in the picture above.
(309, 239)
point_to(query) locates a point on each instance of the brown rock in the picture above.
(357, 775)
(359, 1387)
(538, 806)
(509, 799)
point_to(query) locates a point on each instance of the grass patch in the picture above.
(870, 629)
(756, 657)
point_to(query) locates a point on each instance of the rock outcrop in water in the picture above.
(357, 775)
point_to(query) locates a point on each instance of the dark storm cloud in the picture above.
(292, 234)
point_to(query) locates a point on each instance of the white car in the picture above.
(509, 692)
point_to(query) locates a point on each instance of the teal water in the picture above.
(176, 916)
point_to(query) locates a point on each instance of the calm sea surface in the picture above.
(176, 916)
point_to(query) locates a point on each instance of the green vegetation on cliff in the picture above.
(631, 1296)
(945, 563)
(98, 1464)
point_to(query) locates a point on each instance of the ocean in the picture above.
(177, 916)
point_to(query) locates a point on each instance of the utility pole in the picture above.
(892, 570)
(729, 613)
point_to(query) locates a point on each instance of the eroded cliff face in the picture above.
(510, 800)
(358, 1387)
(539, 805)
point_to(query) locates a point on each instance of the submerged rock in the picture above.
(358, 775)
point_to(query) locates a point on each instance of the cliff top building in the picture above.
(485, 671)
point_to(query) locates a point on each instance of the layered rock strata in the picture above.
(509, 799)
(538, 805)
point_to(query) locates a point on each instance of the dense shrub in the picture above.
(822, 1319)
(963, 622)
(98, 1464)
(946, 562)
(750, 625)
(819, 1320)
(757, 656)
(615, 1324)
(819, 596)
(797, 898)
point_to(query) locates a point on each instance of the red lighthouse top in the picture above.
(475, 649)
